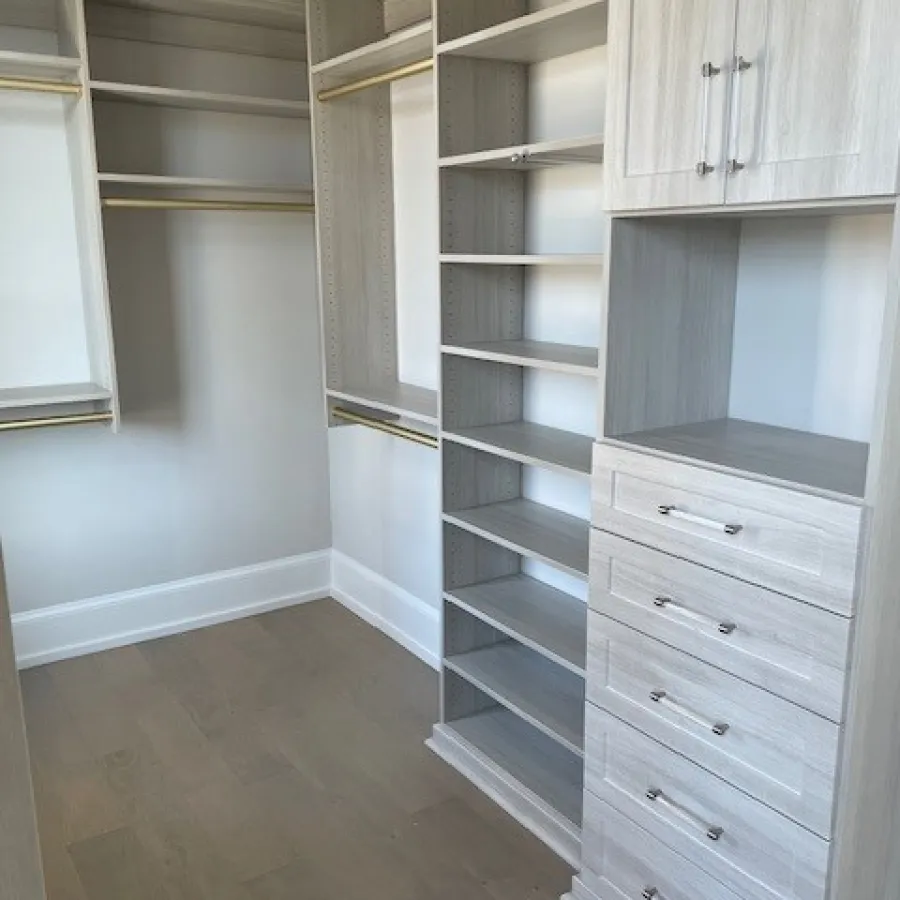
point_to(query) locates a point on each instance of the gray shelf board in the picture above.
(532, 530)
(567, 151)
(804, 460)
(52, 395)
(531, 444)
(404, 400)
(542, 693)
(524, 259)
(543, 618)
(565, 358)
(149, 95)
(526, 757)
(184, 182)
(40, 66)
(565, 28)
(407, 46)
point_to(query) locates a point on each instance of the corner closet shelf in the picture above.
(565, 358)
(566, 28)
(540, 692)
(548, 621)
(567, 151)
(407, 400)
(52, 395)
(805, 460)
(534, 778)
(532, 530)
(202, 100)
(39, 65)
(407, 46)
(524, 259)
(177, 182)
(531, 444)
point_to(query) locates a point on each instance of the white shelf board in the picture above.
(407, 46)
(52, 395)
(567, 151)
(532, 530)
(202, 100)
(567, 359)
(543, 694)
(406, 400)
(543, 618)
(533, 778)
(39, 66)
(178, 182)
(531, 444)
(524, 259)
(802, 459)
(565, 28)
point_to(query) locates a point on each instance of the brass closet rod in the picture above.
(207, 205)
(410, 69)
(40, 87)
(57, 421)
(400, 431)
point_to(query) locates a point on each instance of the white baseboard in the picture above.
(400, 615)
(88, 626)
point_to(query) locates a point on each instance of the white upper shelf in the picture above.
(566, 28)
(586, 150)
(410, 45)
(182, 183)
(39, 66)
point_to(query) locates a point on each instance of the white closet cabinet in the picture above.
(766, 101)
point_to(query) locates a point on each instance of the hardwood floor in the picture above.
(275, 758)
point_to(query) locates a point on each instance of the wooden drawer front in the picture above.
(785, 756)
(622, 861)
(792, 542)
(793, 649)
(759, 853)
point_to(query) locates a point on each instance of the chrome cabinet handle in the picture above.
(677, 513)
(649, 893)
(733, 166)
(713, 832)
(708, 71)
(662, 697)
(669, 603)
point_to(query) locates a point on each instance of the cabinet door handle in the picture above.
(717, 728)
(713, 832)
(676, 513)
(734, 165)
(708, 71)
(669, 603)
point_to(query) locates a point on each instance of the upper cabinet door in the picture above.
(669, 76)
(815, 100)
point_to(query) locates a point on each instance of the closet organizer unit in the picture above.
(520, 106)
(357, 50)
(56, 357)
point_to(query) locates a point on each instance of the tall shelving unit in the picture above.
(521, 285)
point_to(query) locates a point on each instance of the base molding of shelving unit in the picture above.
(562, 836)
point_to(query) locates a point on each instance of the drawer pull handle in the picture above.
(717, 728)
(669, 603)
(713, 832)
(649, 893)
(677, 513)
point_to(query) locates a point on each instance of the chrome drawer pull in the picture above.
(649, 893)
(669, 603)
(717, 728)
(677, 513)
(713, 832)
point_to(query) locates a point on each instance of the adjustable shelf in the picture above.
(199, 100)
(39, 66)
(563, 152)
(565, 358)
(418, 404)
(536, 615)
(524, 259)
(178, 182)
(565, 28)
(537, 690)
(53, 395)
(532, 530)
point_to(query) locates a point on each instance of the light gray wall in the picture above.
(222, 460)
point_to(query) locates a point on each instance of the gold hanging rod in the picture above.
(40, 87)
(207, 205)
(410, 69)
(57, 421)
(400, 431)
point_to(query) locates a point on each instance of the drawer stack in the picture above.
(718, 647)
